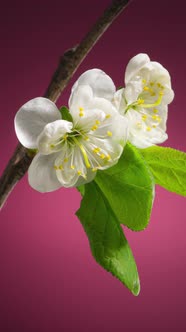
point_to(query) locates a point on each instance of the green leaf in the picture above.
(129, 189)
(81, 189)
(65, 114)
(168, 167)
(107, 241)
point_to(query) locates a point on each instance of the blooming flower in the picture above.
(144, 100)
(70, 152)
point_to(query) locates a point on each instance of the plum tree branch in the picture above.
(69, 62)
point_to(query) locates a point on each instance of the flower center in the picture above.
(73, 138)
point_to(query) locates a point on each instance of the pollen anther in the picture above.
(94, 127)
(109, 133)
(140, 101)
(144, 117)
(96, 150)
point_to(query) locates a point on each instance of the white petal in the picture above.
(134, 65)
(132, 91)
(119, 101)
(103, 105)
(100, 83)
(115, 127)
(102, 153)
(72, 171)
(161, 75)
(98, 110)
(51, 136)
(81, 98)
(143, 134)
(89, 120)
(42, 175)
(32, 118)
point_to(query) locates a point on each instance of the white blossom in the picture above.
(144, 100)
(70, 153)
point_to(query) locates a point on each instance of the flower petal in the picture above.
(81, 98)
(32, 118)
(42, 175)
(102, 152)
(90, 117)
(144, 130)
(115, 127)
(100, 83)
(132, 91)
(134, 65)
(90, 120)
(103, 105)
(71, 170)
(159, 74)
(50, 139)
(119, 100)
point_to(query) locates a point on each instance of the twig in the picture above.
(69, 62)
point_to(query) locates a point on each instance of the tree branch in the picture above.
(69, 62)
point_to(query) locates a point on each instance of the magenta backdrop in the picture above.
(48, 278)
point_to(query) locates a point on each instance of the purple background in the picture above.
(48, 278)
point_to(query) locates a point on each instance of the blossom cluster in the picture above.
(102, 119)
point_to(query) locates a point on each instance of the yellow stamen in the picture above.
(83, 152)
(108, 157)
(144, 117)
(155, 111)
(156, 117)
(81, 114)
(102, 156)
(72, 166)
(94, 127)
(60, 167)
(156, 103)
(151, 83)
(152, 93)
(108, 116)
(79, 172)
(65, 160)
(97, 122)
(148, 128)
(109, 133)
(140, 101)
(94, 169)
(52, 146)
(81, 109)
(96, 150)
(144, 81)
(146, 88)
(55, 167)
